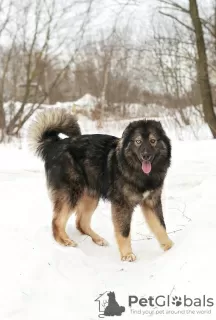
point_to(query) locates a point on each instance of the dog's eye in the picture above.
(152, 141)
(138, 141)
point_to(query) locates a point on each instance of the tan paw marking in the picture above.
(167, 246)
(67, 242)
(101, 242)
(129, 257)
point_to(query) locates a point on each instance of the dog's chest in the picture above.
(146, 194)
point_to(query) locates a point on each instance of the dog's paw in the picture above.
(101, 242)
(129, 257)
(67, 242)
(168, 245)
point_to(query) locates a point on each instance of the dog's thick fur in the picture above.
(81, 169)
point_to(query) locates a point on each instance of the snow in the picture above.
(42, 280)
(87, 101)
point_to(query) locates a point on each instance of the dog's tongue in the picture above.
(146, 167)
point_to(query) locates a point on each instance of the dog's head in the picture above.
(145, 145)
(111, 294)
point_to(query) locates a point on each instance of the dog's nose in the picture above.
(146, 157)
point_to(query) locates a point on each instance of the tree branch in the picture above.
(175, 5)
(176, 19)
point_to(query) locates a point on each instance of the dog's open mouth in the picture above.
(146, 166)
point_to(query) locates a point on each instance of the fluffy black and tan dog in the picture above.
(81, 169)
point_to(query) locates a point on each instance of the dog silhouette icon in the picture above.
(113, 308)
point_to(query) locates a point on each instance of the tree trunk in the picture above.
(2, 123)
(202, 69)
(105, 83)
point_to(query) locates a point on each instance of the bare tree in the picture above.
(35, 28)
(202, 63)
(5, 12)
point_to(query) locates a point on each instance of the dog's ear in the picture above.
(129, 129)
(159, 126)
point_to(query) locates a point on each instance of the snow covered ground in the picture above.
(42, 280)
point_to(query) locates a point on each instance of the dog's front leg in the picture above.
(121, 216)
(153, 212)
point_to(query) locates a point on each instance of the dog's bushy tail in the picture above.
(46, 126)
(122, 309)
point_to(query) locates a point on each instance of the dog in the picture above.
(113, 308)
(81, 169)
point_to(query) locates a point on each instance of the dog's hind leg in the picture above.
(62, 212)
(85, 209)
(152, 210)
(121, 217)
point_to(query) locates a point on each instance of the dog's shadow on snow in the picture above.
(145, 249)
(88, 247)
